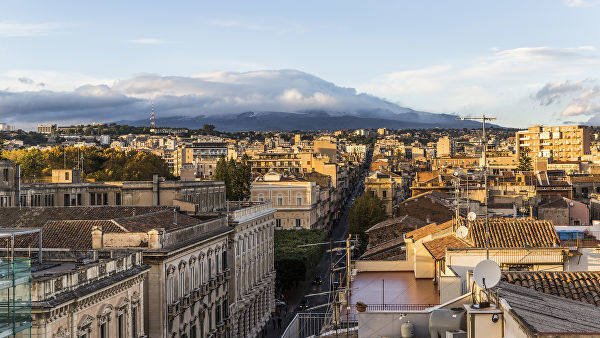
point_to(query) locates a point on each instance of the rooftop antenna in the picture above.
(483, 118)
(152, 122)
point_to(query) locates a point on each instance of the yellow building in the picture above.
(295, 200)
(387, 187)
(564, 143)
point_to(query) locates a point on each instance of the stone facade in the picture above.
(252, 290)
(102, 298)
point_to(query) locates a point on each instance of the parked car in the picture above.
(280, 302)
(317, 280)
(304, 305)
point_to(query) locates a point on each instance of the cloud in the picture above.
(588, 103)
(209, 94)
(279, 26)
(11, 29)
(582, 3)
(25, 80)
(148, 41)
(552, 92)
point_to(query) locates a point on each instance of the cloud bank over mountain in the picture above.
(210, 95)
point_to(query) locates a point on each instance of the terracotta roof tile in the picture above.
(512, 233)
(437, 247)
(428, 230)
(583, 286)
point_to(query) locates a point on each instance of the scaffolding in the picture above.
(15, 284)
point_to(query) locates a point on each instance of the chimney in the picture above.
(18, 185)
(155, 191)
(154, 239)
(96, 237)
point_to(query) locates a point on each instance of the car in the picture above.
(304, 305)
(317, 280)
(280, 302)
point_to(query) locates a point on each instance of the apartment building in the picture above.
(67, 190)
(445, 147)
(251, 249)
(203, 155)
(386, 186)
(295, 199)
(564, 143)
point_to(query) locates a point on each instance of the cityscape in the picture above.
(186, 175)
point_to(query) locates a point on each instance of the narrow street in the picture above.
(339, 232)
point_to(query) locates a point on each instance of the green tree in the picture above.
(237, 177)
(524, 161)
(366, 211)
(32, 164)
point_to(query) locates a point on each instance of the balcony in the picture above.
(173, 310)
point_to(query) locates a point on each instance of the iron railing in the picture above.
(399, 307)
(306, 324)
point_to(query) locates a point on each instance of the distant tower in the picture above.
(152, 122)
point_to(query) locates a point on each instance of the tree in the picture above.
(524, 161)
(366, 211)
(32, 164)
(237, 177)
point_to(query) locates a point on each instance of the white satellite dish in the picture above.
(487, 274)
(462, 231)
(471, 216)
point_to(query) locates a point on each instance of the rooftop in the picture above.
(437, 247)
(428, 230)
(512, 233)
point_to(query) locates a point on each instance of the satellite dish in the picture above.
(487, 274)
(471, 216)
(462, 231)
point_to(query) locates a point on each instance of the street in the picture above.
(339, 232)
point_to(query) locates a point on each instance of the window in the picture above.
(201, 277)
(210, 321)
(278, 223)
(217, 264)
(170, 292)
(224, 260)
(92, 198)
(298, 223)
(66, 175)
(261, 198)
(134, 322)
(209, 268)
(182, 283)
(298, 200)
(5, 175)
(384, 193)
(118, 198)
(103, 330)
(193, 331)
(279, 200)
(225, 308)
(105, 198)
(192, 276)
(218, 314)
(120, 326)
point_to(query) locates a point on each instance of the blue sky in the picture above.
(523, 61)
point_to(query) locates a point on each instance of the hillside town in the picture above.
(379, 225)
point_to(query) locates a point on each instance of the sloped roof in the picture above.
(387, 250)
(437, 247)
(428, 230)
(583, 286)
(404, 220)
(512, 233)
(559, 202)
(36, 217)
(161, 219)
(542, 313)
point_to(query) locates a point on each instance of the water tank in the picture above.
(442, 320)
(407, 330)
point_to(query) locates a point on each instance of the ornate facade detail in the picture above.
(102, 269)
(85, 326)
(62, 333)
(82, 276)
(104, 314)
(135, 298)
(171, 270)
(58, 284)
(181, 265)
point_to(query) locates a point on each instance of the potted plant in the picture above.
(361, 307)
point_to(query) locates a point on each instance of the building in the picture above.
(6, 127)
(187, 286)
(564, 211)
(203, 155)
(67, 191)
(564, 143)
(46, 128)
(445, 147)
(386, 186)
(295, 199)
(251, 249)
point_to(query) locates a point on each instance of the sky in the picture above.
(525, 62)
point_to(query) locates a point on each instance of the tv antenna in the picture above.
(152, 122)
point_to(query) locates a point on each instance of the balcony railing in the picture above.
(399, 307)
